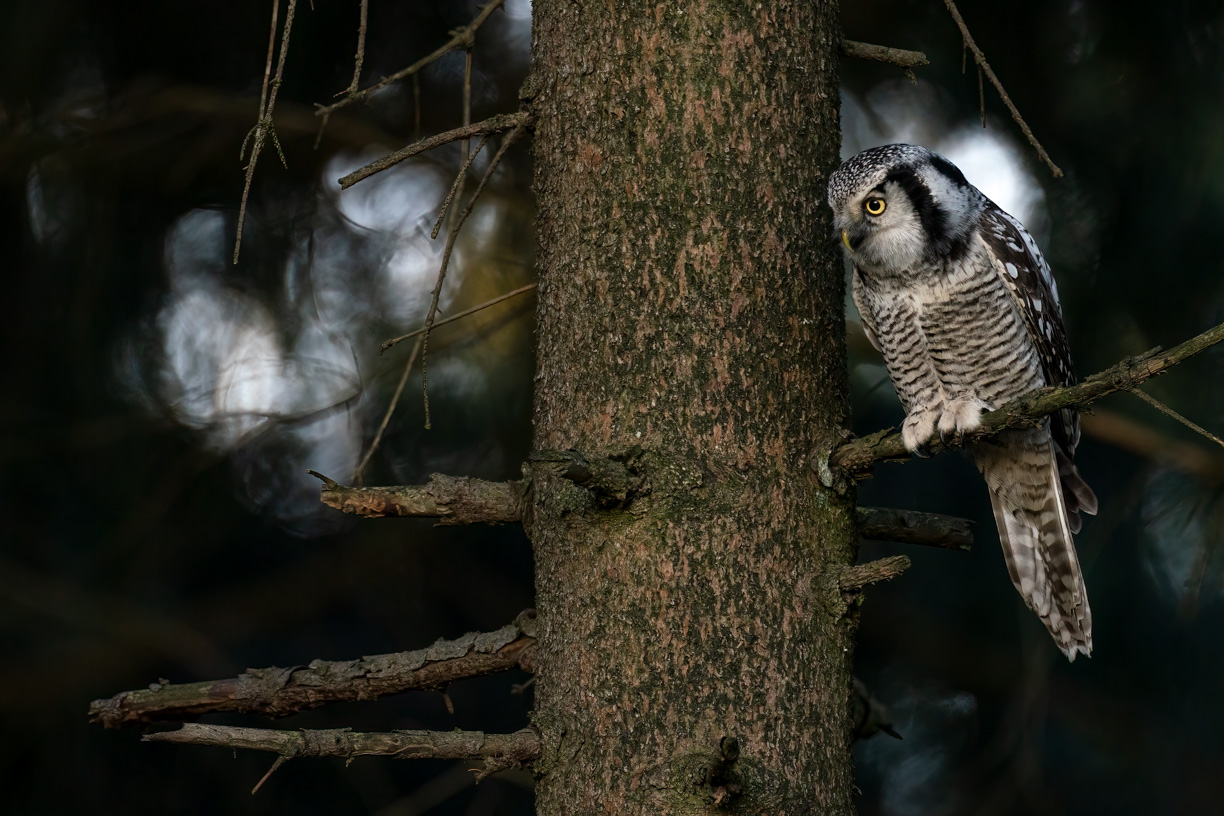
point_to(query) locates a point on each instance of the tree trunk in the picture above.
(691, 349)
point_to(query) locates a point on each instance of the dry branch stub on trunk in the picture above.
(450, 499)
(279, 692)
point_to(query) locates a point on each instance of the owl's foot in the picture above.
(961, 416)
(951, 420)
(918, 430)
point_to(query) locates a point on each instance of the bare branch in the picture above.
(276, 692)
(883, 53)
(359, 57)
(1167, 411)
(852, 579)
(386, 420)
(449, 499)
(500, 751)
(264, 128)
(451, 237)
(387, 344)
(460, 38)
(980, 58)
(1141, 439)
(494, 124)
(857, 457)
(912, 527)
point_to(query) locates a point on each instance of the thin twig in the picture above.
(1164, 409)
(459, 177)
(451, 237)
(460, 38)
(382, 426)
(279, 761)
(387, 344)
(494, 124)
(359, 57)
(264, 127)
(883, 53)
(416, 106)
(1128, 434)
(980, 58)
(856, 457)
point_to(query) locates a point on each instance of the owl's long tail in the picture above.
(1022, 473)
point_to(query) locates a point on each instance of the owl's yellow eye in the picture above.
(874, 206)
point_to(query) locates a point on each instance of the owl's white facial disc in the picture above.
(929, 213)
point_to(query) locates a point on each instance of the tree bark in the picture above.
(695, 640)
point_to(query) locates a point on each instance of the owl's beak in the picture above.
(846, 241)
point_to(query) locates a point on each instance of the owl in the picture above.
(956, 295)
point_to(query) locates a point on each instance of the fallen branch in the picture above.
(912, 527)
(451, 500)
(858, 456)
(499, 751)
(494, 124)
(882, 53)
(276, 692)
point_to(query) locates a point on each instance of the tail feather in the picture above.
(1034, 516)
(1077, 495)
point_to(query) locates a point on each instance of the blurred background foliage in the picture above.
(157, 522)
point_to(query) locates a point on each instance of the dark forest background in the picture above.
(161, 406)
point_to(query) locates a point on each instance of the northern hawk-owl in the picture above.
(956, 295)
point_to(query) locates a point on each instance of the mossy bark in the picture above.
(690, 331)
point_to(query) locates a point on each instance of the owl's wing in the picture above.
(1020, 264)
(1023, 268)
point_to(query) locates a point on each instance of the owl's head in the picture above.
(900, 208)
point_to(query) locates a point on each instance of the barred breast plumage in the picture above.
(956, 295)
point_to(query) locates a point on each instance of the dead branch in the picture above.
(494, 124)
(450, 499)
(387, 344)
(912, 527)
(1169, 412)
(451, 238)
(883, 53)
(359, 473)
(851, 580)
(499, 751)
(276, 692)
(264, 128)
(460, 38)
(462, 500)
(858, 456)
(359, 57)
(1141, 439)
(868, 716)
(984, 66)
